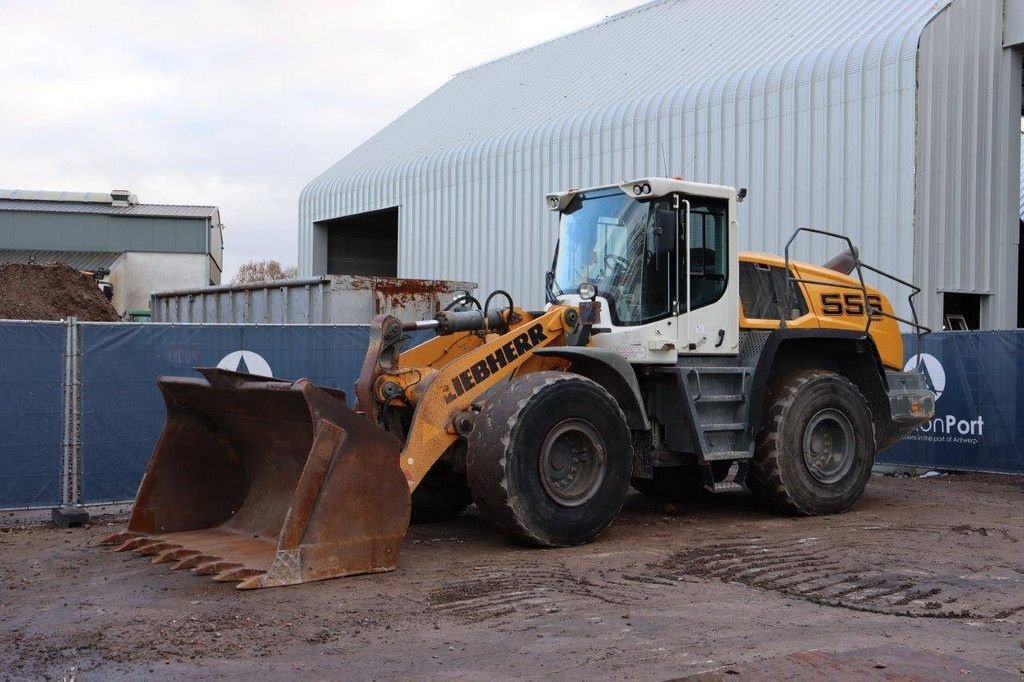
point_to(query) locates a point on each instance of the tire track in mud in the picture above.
(526, 592)
(861, 577)
(822, 573)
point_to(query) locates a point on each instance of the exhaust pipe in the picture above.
(844, 263)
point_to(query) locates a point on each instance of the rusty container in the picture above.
(331, 299)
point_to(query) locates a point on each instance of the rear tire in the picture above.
(549, 459)
(815, 451)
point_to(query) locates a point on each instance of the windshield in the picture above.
(625, 247)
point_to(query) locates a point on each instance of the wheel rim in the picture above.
(829, 446)
(572, 462)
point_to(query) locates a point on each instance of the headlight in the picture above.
(588, 292)
(638, 189)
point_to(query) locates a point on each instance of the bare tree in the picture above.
(256, 271)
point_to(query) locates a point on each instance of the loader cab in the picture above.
(661, 256)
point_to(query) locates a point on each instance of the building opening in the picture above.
(363, 244)
(961, 312)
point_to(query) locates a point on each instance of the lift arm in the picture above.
(443, 378)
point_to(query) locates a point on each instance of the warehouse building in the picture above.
(137, 248)
(896, 123)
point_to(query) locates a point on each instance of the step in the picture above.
(723, 398)
(714, 369)
(724, 487)
(728, 426)
(726, 455)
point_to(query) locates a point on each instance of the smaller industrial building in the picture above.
(138, 248)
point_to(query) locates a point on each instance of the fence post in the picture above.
(71, 512)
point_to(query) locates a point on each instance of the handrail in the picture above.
(920, 330)
(700, 392)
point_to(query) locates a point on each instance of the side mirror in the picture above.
(662, 238)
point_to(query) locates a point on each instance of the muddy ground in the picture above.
(924, 579)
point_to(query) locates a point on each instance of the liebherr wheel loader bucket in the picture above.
(268, 482)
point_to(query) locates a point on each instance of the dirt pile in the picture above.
(51, 292)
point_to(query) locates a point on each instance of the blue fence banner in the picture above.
(979, 414)
(978, 426)
(123, 411)
(31, 413)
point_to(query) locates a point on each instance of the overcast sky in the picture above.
(236, 104)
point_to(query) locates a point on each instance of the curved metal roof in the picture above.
(658, 59)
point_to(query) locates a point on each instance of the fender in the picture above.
(610, 370)
(782, 343)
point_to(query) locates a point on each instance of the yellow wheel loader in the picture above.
(665, 359)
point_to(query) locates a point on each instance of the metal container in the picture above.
(331, 299)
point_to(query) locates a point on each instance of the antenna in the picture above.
(664, 161)
(692, 159)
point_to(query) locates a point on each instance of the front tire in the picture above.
(815, 452)
(549, 459)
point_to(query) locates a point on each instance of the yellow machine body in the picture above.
(836, 303)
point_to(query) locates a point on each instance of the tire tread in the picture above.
(486, 471)
(765, 478)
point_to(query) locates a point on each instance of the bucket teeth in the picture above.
(254, 582)
(169, 555)
(224, 558)
(119, 538)
(214, 567)
(156, 548)
(184, 558)
(235, 575)
(136, 543)
(193, 561)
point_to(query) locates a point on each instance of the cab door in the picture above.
(707, 301)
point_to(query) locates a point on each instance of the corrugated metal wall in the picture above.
(809, 103)
(96, 232)
(968, 167)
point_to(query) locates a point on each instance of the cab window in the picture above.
(707, 248)
(763, 293)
